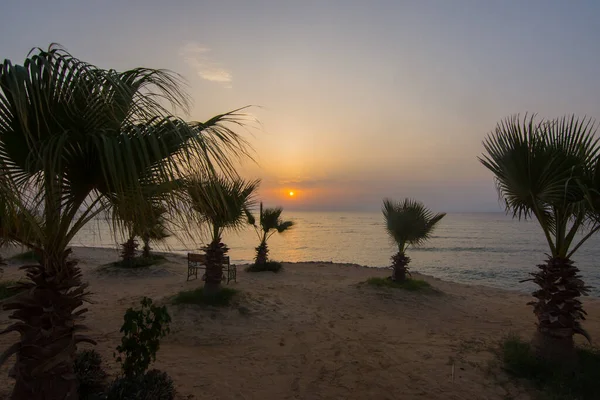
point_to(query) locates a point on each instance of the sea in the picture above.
(489, 249)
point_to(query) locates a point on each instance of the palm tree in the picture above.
(155, 230)
(408, 223)
(222, 203)
(153, 227)
(543, 171)
(74, 140)
(128, 249)
(269, 222)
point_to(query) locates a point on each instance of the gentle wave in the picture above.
(462, 249)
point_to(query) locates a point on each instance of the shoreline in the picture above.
(243, 263)
(183, 254)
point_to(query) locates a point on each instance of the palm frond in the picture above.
(409, 222)
(221, 201)
(270, 220)
(77, 140)
(284, 226)
(539, 166)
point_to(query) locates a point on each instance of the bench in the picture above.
(198, 261)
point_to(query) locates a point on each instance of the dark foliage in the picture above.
(272, 266)
(153, 385)
(221, 298)
(29, 255)
(554, 380)
(142, 331)
(139, 262)
(409, 284)
(90, 374)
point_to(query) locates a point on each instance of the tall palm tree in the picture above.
(222, 203)
(542, 171)
(270, 222)
(408, 223)
(74, 140)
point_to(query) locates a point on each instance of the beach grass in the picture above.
(409, 284)
(223, 298)
(139, 262)
(272, 266)
(7, 290)
(553, 380)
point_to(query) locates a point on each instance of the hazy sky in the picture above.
(361, 99)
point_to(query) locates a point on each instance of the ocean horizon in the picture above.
(482, 248)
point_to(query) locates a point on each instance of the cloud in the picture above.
(199, 59)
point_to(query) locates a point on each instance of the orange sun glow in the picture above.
(291, 193)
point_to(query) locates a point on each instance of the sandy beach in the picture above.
(313, 331)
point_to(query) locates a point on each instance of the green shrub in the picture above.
(90, 375)
(553, 380)
(196, 296)
(139, 262)
(409, 284)
(153, 385)
(8, 289)
(142, 330)
(272, 266)
(29, 255)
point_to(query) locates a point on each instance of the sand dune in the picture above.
(313, 332)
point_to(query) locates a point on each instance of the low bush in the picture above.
(553, 380)
(139, 262)
(221, 299)
(153, 385)
(142, 330)
(29, 255)
(272, 266)
(409, 284)
(90, 374)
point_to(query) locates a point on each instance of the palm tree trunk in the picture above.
(2, 264)
(558, 308)
(261, 254)
(47, 324)
(400, 267)
(215, 252)
(128, 252)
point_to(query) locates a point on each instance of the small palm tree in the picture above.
(544, 170)
(408, 223)
(270, 222)
(128, 249)
(154, 230)
(153, 227)
(222, 203)
(75, 140)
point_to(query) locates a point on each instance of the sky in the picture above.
(357, 100)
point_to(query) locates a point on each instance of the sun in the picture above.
(291, 193)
